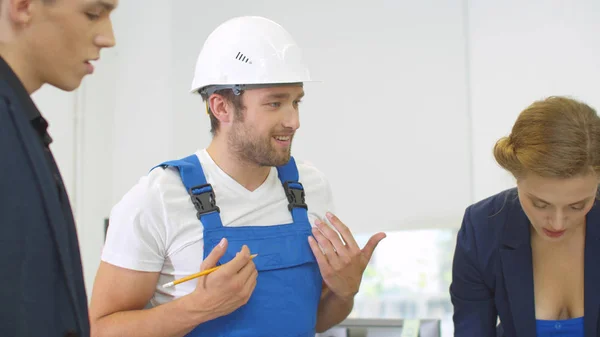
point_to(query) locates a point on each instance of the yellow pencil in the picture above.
(193, 276)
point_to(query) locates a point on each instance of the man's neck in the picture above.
(249, 175)
(19, 65)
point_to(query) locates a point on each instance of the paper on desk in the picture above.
(334, 332)
(383, 332)
(411, 328)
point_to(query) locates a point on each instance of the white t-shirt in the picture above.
(154, 226)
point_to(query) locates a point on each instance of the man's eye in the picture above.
(92, 16)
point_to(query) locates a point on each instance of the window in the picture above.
(409, 277)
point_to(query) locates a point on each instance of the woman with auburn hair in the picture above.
(529, 257)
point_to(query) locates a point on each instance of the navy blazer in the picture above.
(493, 272)
(42, 291)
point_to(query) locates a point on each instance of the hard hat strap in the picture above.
(239, 88)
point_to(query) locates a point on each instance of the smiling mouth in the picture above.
(283, 138)
(90, 65)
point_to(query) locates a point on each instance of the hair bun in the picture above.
(505, 155)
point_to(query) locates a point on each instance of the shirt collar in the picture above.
(32, 113)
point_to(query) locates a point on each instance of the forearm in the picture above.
(332, 310)
(172, 319)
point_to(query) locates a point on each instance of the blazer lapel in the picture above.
(517, 268)
(56, 218)
(592, 272)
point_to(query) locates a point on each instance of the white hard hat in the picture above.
(248, 51)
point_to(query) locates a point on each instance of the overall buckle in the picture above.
(294, 192)
(203, 198)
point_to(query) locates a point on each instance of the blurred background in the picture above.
(413, 96)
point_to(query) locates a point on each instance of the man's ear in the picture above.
(220, 108)
(20, 12)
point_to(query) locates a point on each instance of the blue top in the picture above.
(492, 273)
(560, 328)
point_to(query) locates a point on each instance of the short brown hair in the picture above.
(556, 137)
(230, 97)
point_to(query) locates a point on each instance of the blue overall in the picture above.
(288, 287)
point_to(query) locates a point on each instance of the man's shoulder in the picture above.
(13, 137)
(151, 188)
(6, 91)
(309, 174)
(7, 95)
(163, 176)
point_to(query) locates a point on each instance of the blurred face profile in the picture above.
(65, 37)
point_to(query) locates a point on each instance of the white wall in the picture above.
(143, 111)
(521, 51)
(414, 96)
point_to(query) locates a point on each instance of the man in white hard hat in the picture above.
(244, 194)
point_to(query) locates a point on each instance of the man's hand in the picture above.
(342, 264)
(229, 287)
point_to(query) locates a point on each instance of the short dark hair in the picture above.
(230, 97)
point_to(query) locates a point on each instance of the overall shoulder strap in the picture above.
(201, 192)
(294, 191)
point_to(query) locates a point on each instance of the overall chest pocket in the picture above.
(288, 287)
(277, 247)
